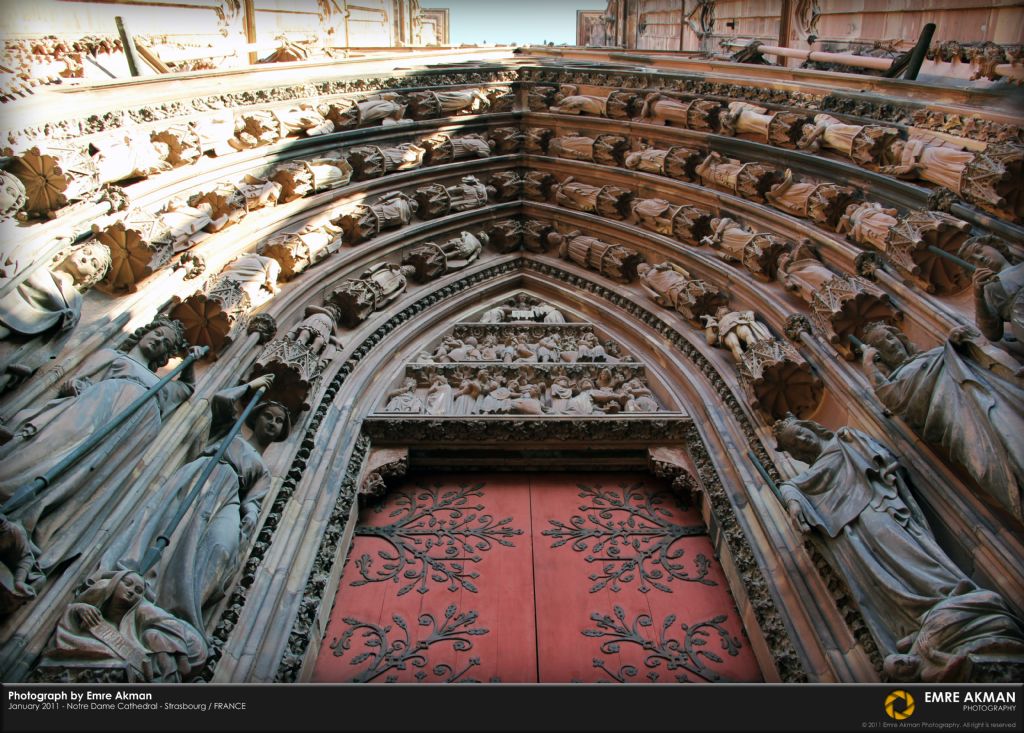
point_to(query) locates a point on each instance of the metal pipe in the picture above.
(28, 491)
(917, 55)
(129, 46)
(764, 474)
(153, 554)
(847, 59)
(1011, 71)
(952, 258)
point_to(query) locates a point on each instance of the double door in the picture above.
(533, 578)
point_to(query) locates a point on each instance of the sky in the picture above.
(513, 21)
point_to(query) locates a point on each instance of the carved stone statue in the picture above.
(301, 178)
(112, 624)
(212, 315)
(539, 185)
(53, 298)
(614, 261)
(254, 129)
(439, 396)
(610, 201)
(747, 119)
(430, 260)
(673, 287)
(301, 120)
(581, 104)
(503, 140)
(696, 114)
(371, 161)
(508, 185)
(864, 144)
(442, 148)
(822, 203)
(685, 223)
(736, 330)
(749, 180)
(430, 103)
(387, 108)
(973, 637)
(61, 518)
(858, 499)
(18, 570)
(537, 139)
(404, 399)
(297, 251)
(963, 396)
(676, 162)
(377, 286)
(937, 164)
(12, 195)
(841, 305)
(521, 308)
(128, 154)
(506, 235)
(205, 549)
(868, 223)
(778, 380)
(759, 252)
(998, 287)
(604, 149)
(392, 210)
(438, 200)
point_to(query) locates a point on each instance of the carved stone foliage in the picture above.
(779, 380)
(439, 200)
(841, 305)
(689, 656)
(379, 285)
(371, 161)
(390, 211)
(215, 315)
(614, 261)
(671, 286)
(400, 650)
(568, 337)
(430, 260)
(297, 251)
(630, 537)
(758, 252)
(433, 538)
(610, 201)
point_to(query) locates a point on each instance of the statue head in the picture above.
(270, 422)
(893, 345)
(158, 341)
(12, 194)
(87, 264)
(109, 590)
(802, 439)
(989, 252)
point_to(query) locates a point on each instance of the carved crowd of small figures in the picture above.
(494, 391)
(990, 178)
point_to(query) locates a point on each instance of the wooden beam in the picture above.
(249, 16)
(151, 58)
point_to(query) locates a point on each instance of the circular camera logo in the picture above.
(899, 705)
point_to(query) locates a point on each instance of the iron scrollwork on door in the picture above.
(386, 653)
(688, 655)
(636, 533)
(429, 519)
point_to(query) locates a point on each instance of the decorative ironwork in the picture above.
(687, 654)
(428, 519)
(386, 654)
(639, 535)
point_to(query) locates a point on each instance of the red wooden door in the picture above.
(533, 578)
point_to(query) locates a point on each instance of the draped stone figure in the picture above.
(61, 517)
(439, 396)
(18, 569)
(998, 287)
(957, 397)
(378, 285)
(857, 498)
(582, 104)
(864, 144)
(669, 285)
(432, 260)
(746, 118)
(404, 399)
(393, 209)
(387, 108)
(112, 624)
(937, 164)
(430, 103)
(371, 161)
(53, 298)
(611, 260)
(822, 203)
(205, 549)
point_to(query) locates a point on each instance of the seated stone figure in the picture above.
(112, 625)
(998, 287)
